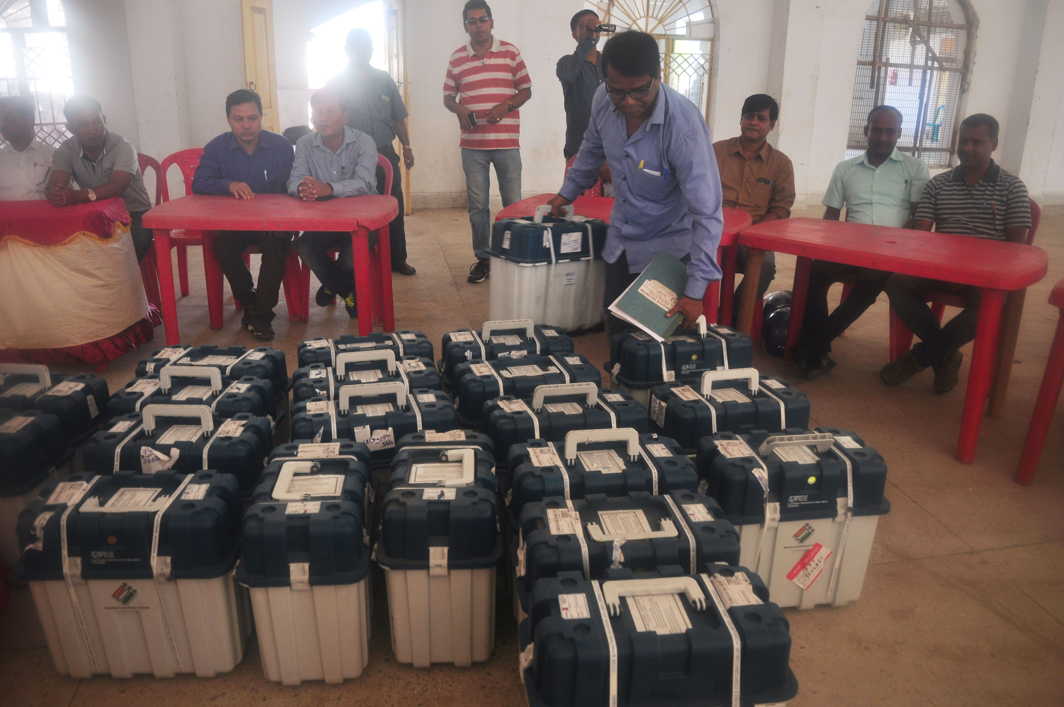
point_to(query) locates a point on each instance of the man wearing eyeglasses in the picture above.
(486, 83)
(664, 172)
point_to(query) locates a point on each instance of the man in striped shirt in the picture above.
(486, 83)
(977, 199)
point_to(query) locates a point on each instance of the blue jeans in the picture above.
(477, 164)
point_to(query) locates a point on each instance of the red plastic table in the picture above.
(1048, 395)
(601, 207)
(360, 215)
(995, 267)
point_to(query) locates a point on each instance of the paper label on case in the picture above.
(698, 513)
(506, 239)
(523, 371)
(464, 337)
(562, 521)
(543, 456)
(613, 397)
(256, 356)
(195, 492)
(847, 442)
(65, 388)
(604, 461)
(15, 424)
(215, 360)
(808, 569)
(380, 440)
(657, 449)
(773, 383)
(317, 373)
(301, 507)
(657, 410)
(320, 449)
(733, 448)
(735, 590)
(728, 395)
(451, 436)
(316, 485)
(435, 472)
(796, 453)
(144, 386)
(564, 408)
(134, 499)
(439, 494)
(231, 428)
(413, 364)
(482, 369)
(507, 340)
(364, 375)
(574, 607)
(66, 492)
(317, 407)
(180, 433)
(425, 397)
(122, 426)
(659, 294)
(193, 392)
(374, 409)
(624, 525)
(512, 406)
(663, 614)
(571, 242)
(314, 344)
(686, 392)
(27, 390)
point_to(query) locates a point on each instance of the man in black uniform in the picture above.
(375, 107)
(580, 76)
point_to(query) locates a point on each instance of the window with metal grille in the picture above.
(685, 32)
(35, 61)
(914, 55)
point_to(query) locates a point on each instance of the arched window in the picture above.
(685, 30)
(914, 55)
(35, 61)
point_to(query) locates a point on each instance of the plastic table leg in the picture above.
(363, 284)
(385, 302)
(752, 277)
(165, 271)
(984, 357)
(1044, 406)
(799, 296)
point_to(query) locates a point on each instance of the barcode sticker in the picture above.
(573, 607)
(319, 449)
(733, 448)
(698, 512)
(543, 456)
(661, 613)
(604, 461)
(562, 521)
(302, 507)
(624, 525)
(847, 442)
(231, 428)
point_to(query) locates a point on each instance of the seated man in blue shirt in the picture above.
(668, 196)
(334, 161)
(880, 187)
(244, 162)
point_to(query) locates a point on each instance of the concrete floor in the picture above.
(963, 603)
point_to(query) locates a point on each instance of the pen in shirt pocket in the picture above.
(651, 172)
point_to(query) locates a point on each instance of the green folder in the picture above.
(651, 295)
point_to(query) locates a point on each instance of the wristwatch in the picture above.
(91, 194)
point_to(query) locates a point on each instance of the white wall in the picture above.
(1043, 151)
(740, 72)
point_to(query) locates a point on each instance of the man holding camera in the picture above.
(580, 76)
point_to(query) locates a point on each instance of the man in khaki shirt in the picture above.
(756, 177)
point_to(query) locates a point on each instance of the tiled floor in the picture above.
(963, 605)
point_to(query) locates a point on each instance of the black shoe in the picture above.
(349, 305)
(817, 366)
(948, 373)
(261, 330)
(404, 268)
(479, 271)
(245, 319)
(903, 369)
(324, 298)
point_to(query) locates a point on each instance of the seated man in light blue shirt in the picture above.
(333, 161)
(880, 187)
(668, 196)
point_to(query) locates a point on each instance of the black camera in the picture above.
(607, 29)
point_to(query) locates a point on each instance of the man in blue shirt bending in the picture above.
(668, 196)
(244, 162)
(334, 161)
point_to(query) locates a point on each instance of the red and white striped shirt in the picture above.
(480, 84)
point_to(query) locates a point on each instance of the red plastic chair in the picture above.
(596, 188)
(187, 161)
(900, 336)
(148, 272)
(303, 288)
(1048, 394)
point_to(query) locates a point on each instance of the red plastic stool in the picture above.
(1048, 395)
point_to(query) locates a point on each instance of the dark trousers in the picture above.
(397, 228)
(768, 272)
(142, 237)
(229, 247)
(818, 328)
(937, 342)
(617, 281)
(337, 276)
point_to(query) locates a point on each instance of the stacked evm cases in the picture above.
(439, 543)
(548, 269)
(639, 362)
(305, 561)
(509, 338)
(371, 390)
(133, 574)
(43, 417)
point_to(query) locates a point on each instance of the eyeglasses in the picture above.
(471, 21)
(639, 93)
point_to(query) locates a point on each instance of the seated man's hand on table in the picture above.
(311, 189)
(241, 190)
(59, 195)
(689, 309)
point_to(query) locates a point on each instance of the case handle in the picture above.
(211, 374)
(668, 530)
(386, 355)
(40, 372)
(365, 390)
(823, 441)
(624, 434)
(467, 457)
(284, 479)
(151, 412)
(506, 324)
(613, 590)
(558, 390)
(750, 375)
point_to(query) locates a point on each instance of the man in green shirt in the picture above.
(881, 187)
